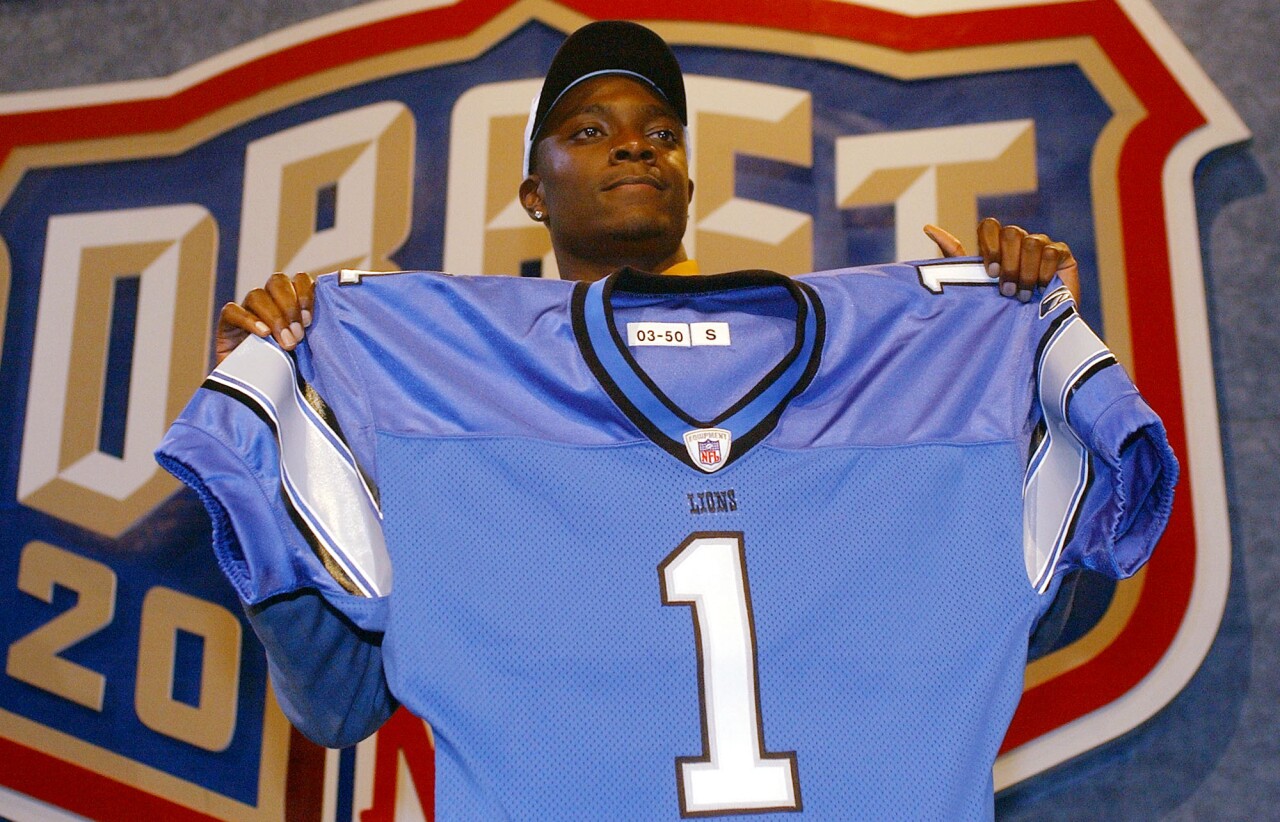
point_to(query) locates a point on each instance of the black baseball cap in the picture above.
(607, 47)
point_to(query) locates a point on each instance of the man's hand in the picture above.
(1022, 262)
(281, 309)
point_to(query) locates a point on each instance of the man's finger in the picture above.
(265, 307)
(282, 292)
(1050, 258)
(1068, 270)
(234, 316)
(948, 243)
(1029, 265)
(1011, 237)
(234, 325)
(281, 289)
(305, 288)
(989, 244)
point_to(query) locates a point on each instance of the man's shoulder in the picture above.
(413, 287)
(357, 280)
(933, 276)
(958, 288)
(430, 308)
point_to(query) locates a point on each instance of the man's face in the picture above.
(611, 172)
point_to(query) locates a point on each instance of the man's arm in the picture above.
(296, 526)
(324, 647)
(327, 671)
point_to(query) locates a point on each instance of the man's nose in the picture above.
(632, 149)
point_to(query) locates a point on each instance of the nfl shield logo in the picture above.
(708, 447)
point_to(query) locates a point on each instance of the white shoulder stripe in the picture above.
(1058, 474)
(317, 469)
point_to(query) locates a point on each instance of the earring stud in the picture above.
(537, 215)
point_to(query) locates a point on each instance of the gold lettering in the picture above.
(486, 229)
(366, 155)
(171, 250)
(34, 659)
(211, 722)
(731, 117)
(935, 175)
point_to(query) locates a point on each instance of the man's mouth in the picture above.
(636, 180)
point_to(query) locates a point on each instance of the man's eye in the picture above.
(588, 131)
(666, 135)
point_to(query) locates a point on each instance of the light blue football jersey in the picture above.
(665, 546)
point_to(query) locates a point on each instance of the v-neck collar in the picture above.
(744, 423)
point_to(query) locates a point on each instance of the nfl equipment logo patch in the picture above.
(708, 447)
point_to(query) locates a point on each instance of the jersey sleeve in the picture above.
(293, 502)
(1099, 485)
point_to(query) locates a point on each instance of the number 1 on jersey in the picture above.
(734, 773)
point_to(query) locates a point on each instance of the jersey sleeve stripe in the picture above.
(1059, 473)
(328, 421)
(318, 548)
(333, 508)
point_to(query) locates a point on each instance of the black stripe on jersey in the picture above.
(770, 421)
(1037, 437)
(643, 282)
(655, 434)
(322, 554)
(649, 384)
(244, 399)
(1054, 325)
(1105, 362)
(1074, 520)
(1089, 373)
(639, 282)
(650, 284)
(1089, 474)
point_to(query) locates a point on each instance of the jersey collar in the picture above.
(750, 418)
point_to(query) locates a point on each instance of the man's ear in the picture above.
(531, 198)
(691, 191)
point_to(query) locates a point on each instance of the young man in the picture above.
(830, 471)
(608, 175)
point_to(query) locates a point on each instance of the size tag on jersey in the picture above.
(709, 333)
(682, 335)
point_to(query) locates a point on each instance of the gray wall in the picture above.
(1214, 753)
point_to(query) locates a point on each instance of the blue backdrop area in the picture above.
(1214, 753)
